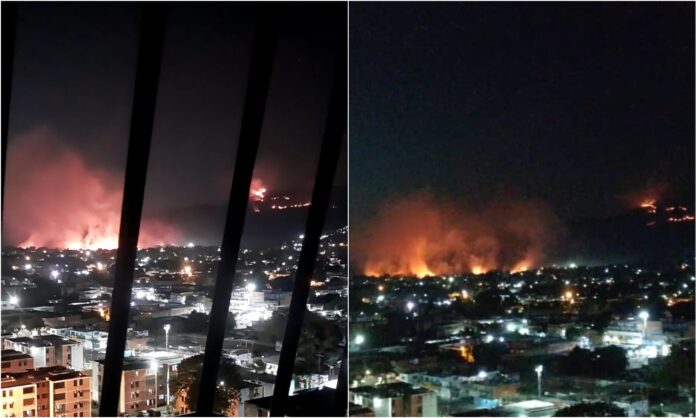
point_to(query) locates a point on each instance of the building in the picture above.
(18, 397)
(250, 306)
(46, 392)
(359, 411)
(633, 332)
(91, 338)
(49, 350)
(14, 361)
(396, 400)
(530, 408)
(138, 385)
(167, 365)
(308, 403)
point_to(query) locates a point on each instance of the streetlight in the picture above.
(359, 339)
(166, 337)
(644, 315)
(14, 300)
(410, 305)
(538, 369)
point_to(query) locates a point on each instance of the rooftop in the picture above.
(389, 390)
(6, 355)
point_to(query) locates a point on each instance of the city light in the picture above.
(359, 339)
(166, 336)
(538, 369)
(644, 315)
(14, 300)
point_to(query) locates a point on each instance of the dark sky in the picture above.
(576, 105)
(74, 71)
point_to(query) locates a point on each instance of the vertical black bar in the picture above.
(323, 184)
(260, 70)
(341, 395)
(9, 30)
(142, 120)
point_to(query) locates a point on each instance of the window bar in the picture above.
(142, 119)
(260, 70)
(9, 30)
(341, 395)
(323, 184)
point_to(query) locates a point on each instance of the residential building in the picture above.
(138, 385)
(49, 350)
(397, 399)
(47, 392)
(14, 361)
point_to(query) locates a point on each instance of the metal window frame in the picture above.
(149, 63)
(9, 32)
(321, 196)
(142, 121)
(260, 71)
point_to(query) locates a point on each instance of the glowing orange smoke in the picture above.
(417, 236)
(55, 199)
(520, 267)
(257, 191)
(478, 270)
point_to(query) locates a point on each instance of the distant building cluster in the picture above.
(56, 313)
(524, 344)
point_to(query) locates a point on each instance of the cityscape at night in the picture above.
(521, 209)
(348, 208)
(56, 313)
(148, 215)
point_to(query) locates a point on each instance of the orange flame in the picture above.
(466, 353)
(416, 236)
(257, 191)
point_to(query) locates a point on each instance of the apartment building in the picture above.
(46, 392)
(396, 400)
(49, 350)
(14, 361)
(138, 384)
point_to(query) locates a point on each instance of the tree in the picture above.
(610, 360)
(590, 409)
(573, 333)
(187, 383)
(319, 342)
(489, 355)
(677, 368)
(196, 322)
(603, 362)
(273, 329)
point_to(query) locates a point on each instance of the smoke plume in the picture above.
(419, 236)
(55, 199)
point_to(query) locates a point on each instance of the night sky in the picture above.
(74, 72)
(575, 105)
(70, 111)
